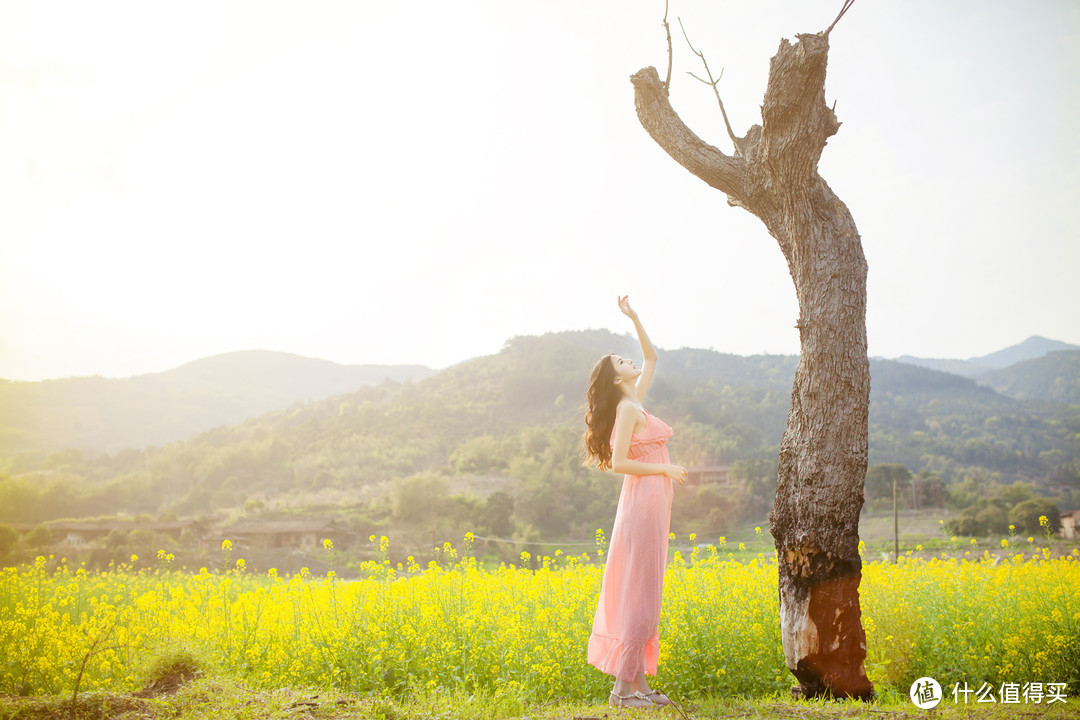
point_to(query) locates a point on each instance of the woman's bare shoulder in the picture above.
(632, 411)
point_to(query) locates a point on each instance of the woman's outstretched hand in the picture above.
(624, 305)
(676, 473)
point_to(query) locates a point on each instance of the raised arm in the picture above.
(648, 366)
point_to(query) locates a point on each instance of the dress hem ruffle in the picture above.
(622, 659)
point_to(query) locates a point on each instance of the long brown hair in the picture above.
(601, 400)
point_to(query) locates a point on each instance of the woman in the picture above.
(622, 436)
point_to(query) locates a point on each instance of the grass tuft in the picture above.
(169, 671)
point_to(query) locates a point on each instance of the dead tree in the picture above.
(815, 519)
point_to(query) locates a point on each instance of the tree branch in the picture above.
(734, 140)
(847, 5)
(725, 173)
(667, 30)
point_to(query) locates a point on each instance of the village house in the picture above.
(708, 475)
(78, 533)
(307, 533)
(1068, 525)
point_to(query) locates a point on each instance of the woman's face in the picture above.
(625, 369)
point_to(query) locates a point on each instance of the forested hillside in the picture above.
(492, 446)
(105, 415)
(1055, 377)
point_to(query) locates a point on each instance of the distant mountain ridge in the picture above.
(511, 423)
(107, 415)
(1054, 376)
(1033, 348)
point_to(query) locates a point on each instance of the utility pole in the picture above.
(895, 525)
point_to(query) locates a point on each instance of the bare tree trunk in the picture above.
(823, 455)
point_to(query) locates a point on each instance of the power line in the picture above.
(560, 543)
(532, 542)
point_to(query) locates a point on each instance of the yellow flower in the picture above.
(502, 623)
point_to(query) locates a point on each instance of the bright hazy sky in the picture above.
(417, 182)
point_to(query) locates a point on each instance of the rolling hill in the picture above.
(511, 423)
(106, 415)
(1032, 348)
(1054, 376)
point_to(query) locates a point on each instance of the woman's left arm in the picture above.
(648, 366)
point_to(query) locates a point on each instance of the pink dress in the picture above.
(625, 637)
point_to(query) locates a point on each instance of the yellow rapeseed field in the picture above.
(407, 629)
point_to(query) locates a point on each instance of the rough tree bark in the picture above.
(814, 521)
